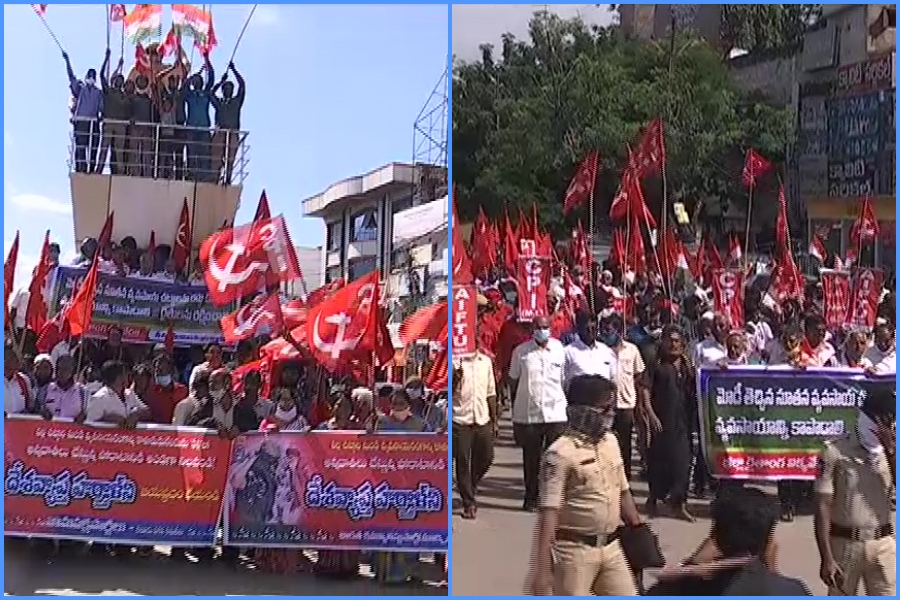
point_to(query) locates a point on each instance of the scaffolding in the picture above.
(430, 128)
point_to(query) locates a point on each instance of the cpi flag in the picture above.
(728, 294)
(534, 284)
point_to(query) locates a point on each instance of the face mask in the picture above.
(654, 333)
(400, 415)
(589, 421)
(286, 416)
(611, 339)
(541, 336)
(90, 81)
(217, 394)
(164, 380)
(414, 393)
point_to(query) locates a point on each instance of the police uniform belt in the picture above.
(860, 535)
(596, 541)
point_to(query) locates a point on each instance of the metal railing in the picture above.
(158, 151)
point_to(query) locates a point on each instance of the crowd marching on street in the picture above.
(597, 363)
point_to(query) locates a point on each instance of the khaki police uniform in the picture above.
(862, 537)
(584, 481)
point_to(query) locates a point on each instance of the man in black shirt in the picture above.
(228, 122)
(116, 114)
(141, 138)
(743, 531)
(173, 93)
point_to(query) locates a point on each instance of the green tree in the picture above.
(523, 121)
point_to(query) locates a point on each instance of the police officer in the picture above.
(853, 503)
(584, 497)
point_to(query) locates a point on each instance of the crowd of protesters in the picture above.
(156, 122)
(649, 338)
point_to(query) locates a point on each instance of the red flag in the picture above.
(735, 252)
(462, 264)
(9, 275)
(181, 249)
(650, 153)
(836, 290)
(630, 198)
(262, 208)
(534, 283)
(169, 341)
(170, 45)
(117, 12)
(817, 248)
(617, 251)
(865, 292)
(637, 256)
(754, 166)
(728, 294)
(429, 323)
(786, 280)
(294, 312)
(465, 313)
(438, 375)
(40, 9)
(81, 309)
(319, 295)
(483, 245)
(36, 314)
(151, 247)
(238, 260)
(245, 322)
(582, 183)
(782, 234)
(344, 326)
(865, 228)
(510, 245)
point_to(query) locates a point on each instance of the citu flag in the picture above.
(80, 311)
(246, 322)
(9, 275)
(36, 314)
(181, 249)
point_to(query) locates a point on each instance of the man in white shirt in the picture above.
(539, 403)
(112, 403)
(213, 361)
(17, 392)
(586, 355)
(712, 351)
(474, 424)
(630, 382)
(881, 356)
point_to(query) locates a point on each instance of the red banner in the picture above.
(385, 491)
(728, 294)
(465, 314)
(534, 284)
(836, 289)
(153, 485)
(865, 293)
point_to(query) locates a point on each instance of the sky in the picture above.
(476, 24)
(332, 92)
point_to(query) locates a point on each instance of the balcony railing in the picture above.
(158, 151)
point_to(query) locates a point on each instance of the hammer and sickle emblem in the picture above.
(226, 276)
(249, 316)
(342, 320)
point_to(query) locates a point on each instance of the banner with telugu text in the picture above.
(770, 423)
(153, 485)
(143, 308)
(339, 490)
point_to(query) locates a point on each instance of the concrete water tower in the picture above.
(148, 175)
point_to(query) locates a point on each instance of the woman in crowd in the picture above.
(340, 564)
(398, 567)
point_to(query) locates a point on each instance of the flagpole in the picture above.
(590, 275)
(749, 213)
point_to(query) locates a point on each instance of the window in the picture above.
(361, 266)
(332, 274)
(334, 234)
(364, 226)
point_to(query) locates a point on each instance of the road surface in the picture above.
(490, 555)
(26, 574)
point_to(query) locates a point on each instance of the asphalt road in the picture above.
(28, 573)
(490, 555)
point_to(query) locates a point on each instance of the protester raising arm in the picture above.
(241, 85)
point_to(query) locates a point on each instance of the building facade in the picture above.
(360, 214)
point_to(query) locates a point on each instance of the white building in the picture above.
(310, 260)
(361, 217)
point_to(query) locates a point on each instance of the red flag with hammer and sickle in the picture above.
(238, 260)
(345, 326)
(582, 183)
(181, 249)
(245, 322)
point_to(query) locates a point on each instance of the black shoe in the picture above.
(529, 506)
(787, 514)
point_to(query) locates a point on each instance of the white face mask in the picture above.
(414, 393)
(286, 416)
(90, 81)
(217, 394)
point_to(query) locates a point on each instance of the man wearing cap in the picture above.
(584, 497)
(853, 527)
